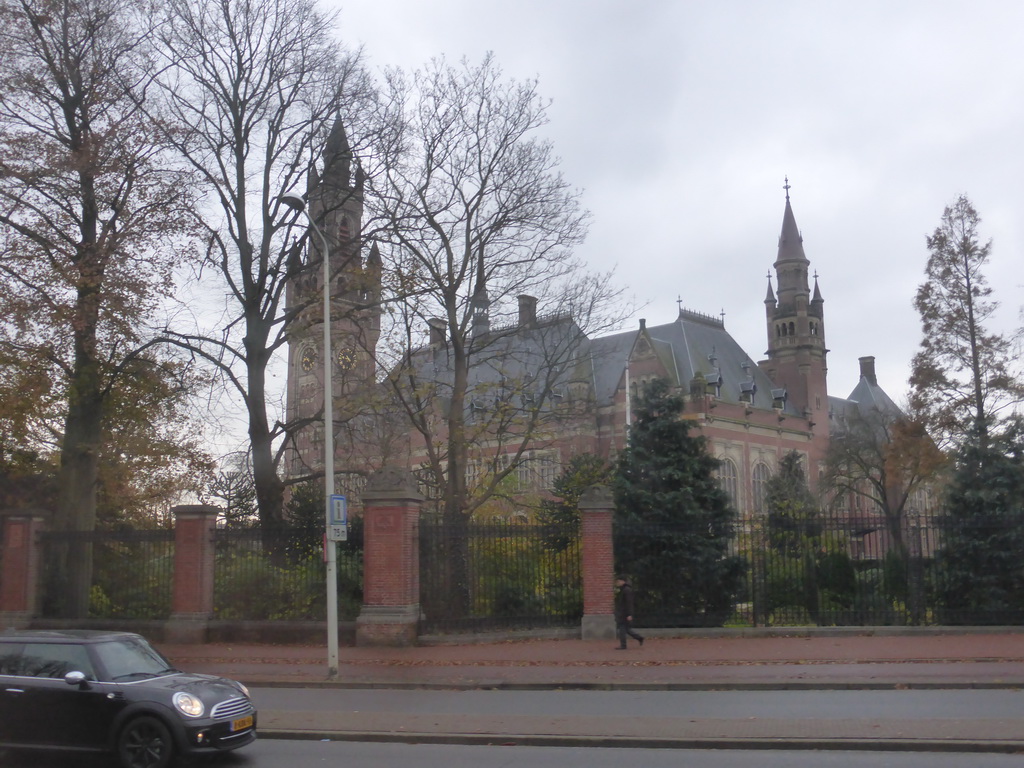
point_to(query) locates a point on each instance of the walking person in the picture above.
(624, 606)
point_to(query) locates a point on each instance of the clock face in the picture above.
(346, 358)
(308, 358)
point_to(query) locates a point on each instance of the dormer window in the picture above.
(747, 391)
(779, 398)
(714, 384)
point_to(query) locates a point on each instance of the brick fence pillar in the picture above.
(192, 597)
(391, 559)
(596, 511)
(19, 577)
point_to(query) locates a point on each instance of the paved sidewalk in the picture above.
(699, 661)
(840, 659)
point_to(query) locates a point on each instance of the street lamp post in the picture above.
(297, 203)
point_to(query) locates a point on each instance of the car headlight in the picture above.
(188, 704)
(243, 689)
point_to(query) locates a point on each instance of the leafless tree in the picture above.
(884, 458)
(472, 213)
(257, 87)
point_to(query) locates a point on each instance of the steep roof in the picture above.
(867, 400)
(543, 355)
(791, 243)
(694, 343)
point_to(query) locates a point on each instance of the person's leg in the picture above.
(635, 635)
(620, 631)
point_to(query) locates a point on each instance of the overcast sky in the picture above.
(679, 121)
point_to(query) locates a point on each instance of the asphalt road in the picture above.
(316, 754)
(879, 720)
(741, 705)
(604, 712)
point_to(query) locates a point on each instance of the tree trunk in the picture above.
(71, 568)
(456, 521)
(269, 487)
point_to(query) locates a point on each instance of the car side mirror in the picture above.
(75, 678)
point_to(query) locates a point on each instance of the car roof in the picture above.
(63, 635)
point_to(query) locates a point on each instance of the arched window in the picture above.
(759, 482)
(792, 329)
(728, 481)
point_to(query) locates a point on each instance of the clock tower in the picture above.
(335, 200)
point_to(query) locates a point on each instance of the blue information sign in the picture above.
(337, 526)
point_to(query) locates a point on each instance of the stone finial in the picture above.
(392, 481)
(597, 497)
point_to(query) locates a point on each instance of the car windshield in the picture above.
(131, 658)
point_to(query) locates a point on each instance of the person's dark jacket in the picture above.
(623, 603)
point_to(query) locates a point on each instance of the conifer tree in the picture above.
(965, 377)
(673, 521)
(980, 569)
(561, 515)
(793, 514)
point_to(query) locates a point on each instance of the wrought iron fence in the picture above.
(489, 576)
(132, 572)
(260, 576)
(834, 569)
(841, 568)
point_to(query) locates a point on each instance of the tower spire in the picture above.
(795, 319)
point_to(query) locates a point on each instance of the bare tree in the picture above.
(884, 458)
(257, 85)
(963, 377)
(92, 225)
(477, 227)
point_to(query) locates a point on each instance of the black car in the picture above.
(112, 691)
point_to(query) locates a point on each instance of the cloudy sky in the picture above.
(680, 119)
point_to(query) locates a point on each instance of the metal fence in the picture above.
(490, 576)
(132, 572)
(283, 576)
(843, 568)
(835, 569)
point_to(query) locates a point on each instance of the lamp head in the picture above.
(293, 201)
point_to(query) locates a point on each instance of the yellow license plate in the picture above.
(241, 723)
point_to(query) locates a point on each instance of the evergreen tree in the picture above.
(793, 514)
(673, 521)
(980, 568)
(964, 377)
(794, 540)
(560, 516)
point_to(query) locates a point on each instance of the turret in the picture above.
(795, 323)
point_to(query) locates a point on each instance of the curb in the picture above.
(631, 742)
(626, 686)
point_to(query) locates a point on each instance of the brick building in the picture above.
(752, 412)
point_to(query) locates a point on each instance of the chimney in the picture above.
(867, 370)
(643, 323)
(527, 310)
(437, 327)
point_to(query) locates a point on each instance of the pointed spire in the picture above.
(337, 141)
(337, 156)
(817, 292)
(791, 246)
(374, 260)
(770, 296)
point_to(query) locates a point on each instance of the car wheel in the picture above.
(145, 743)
